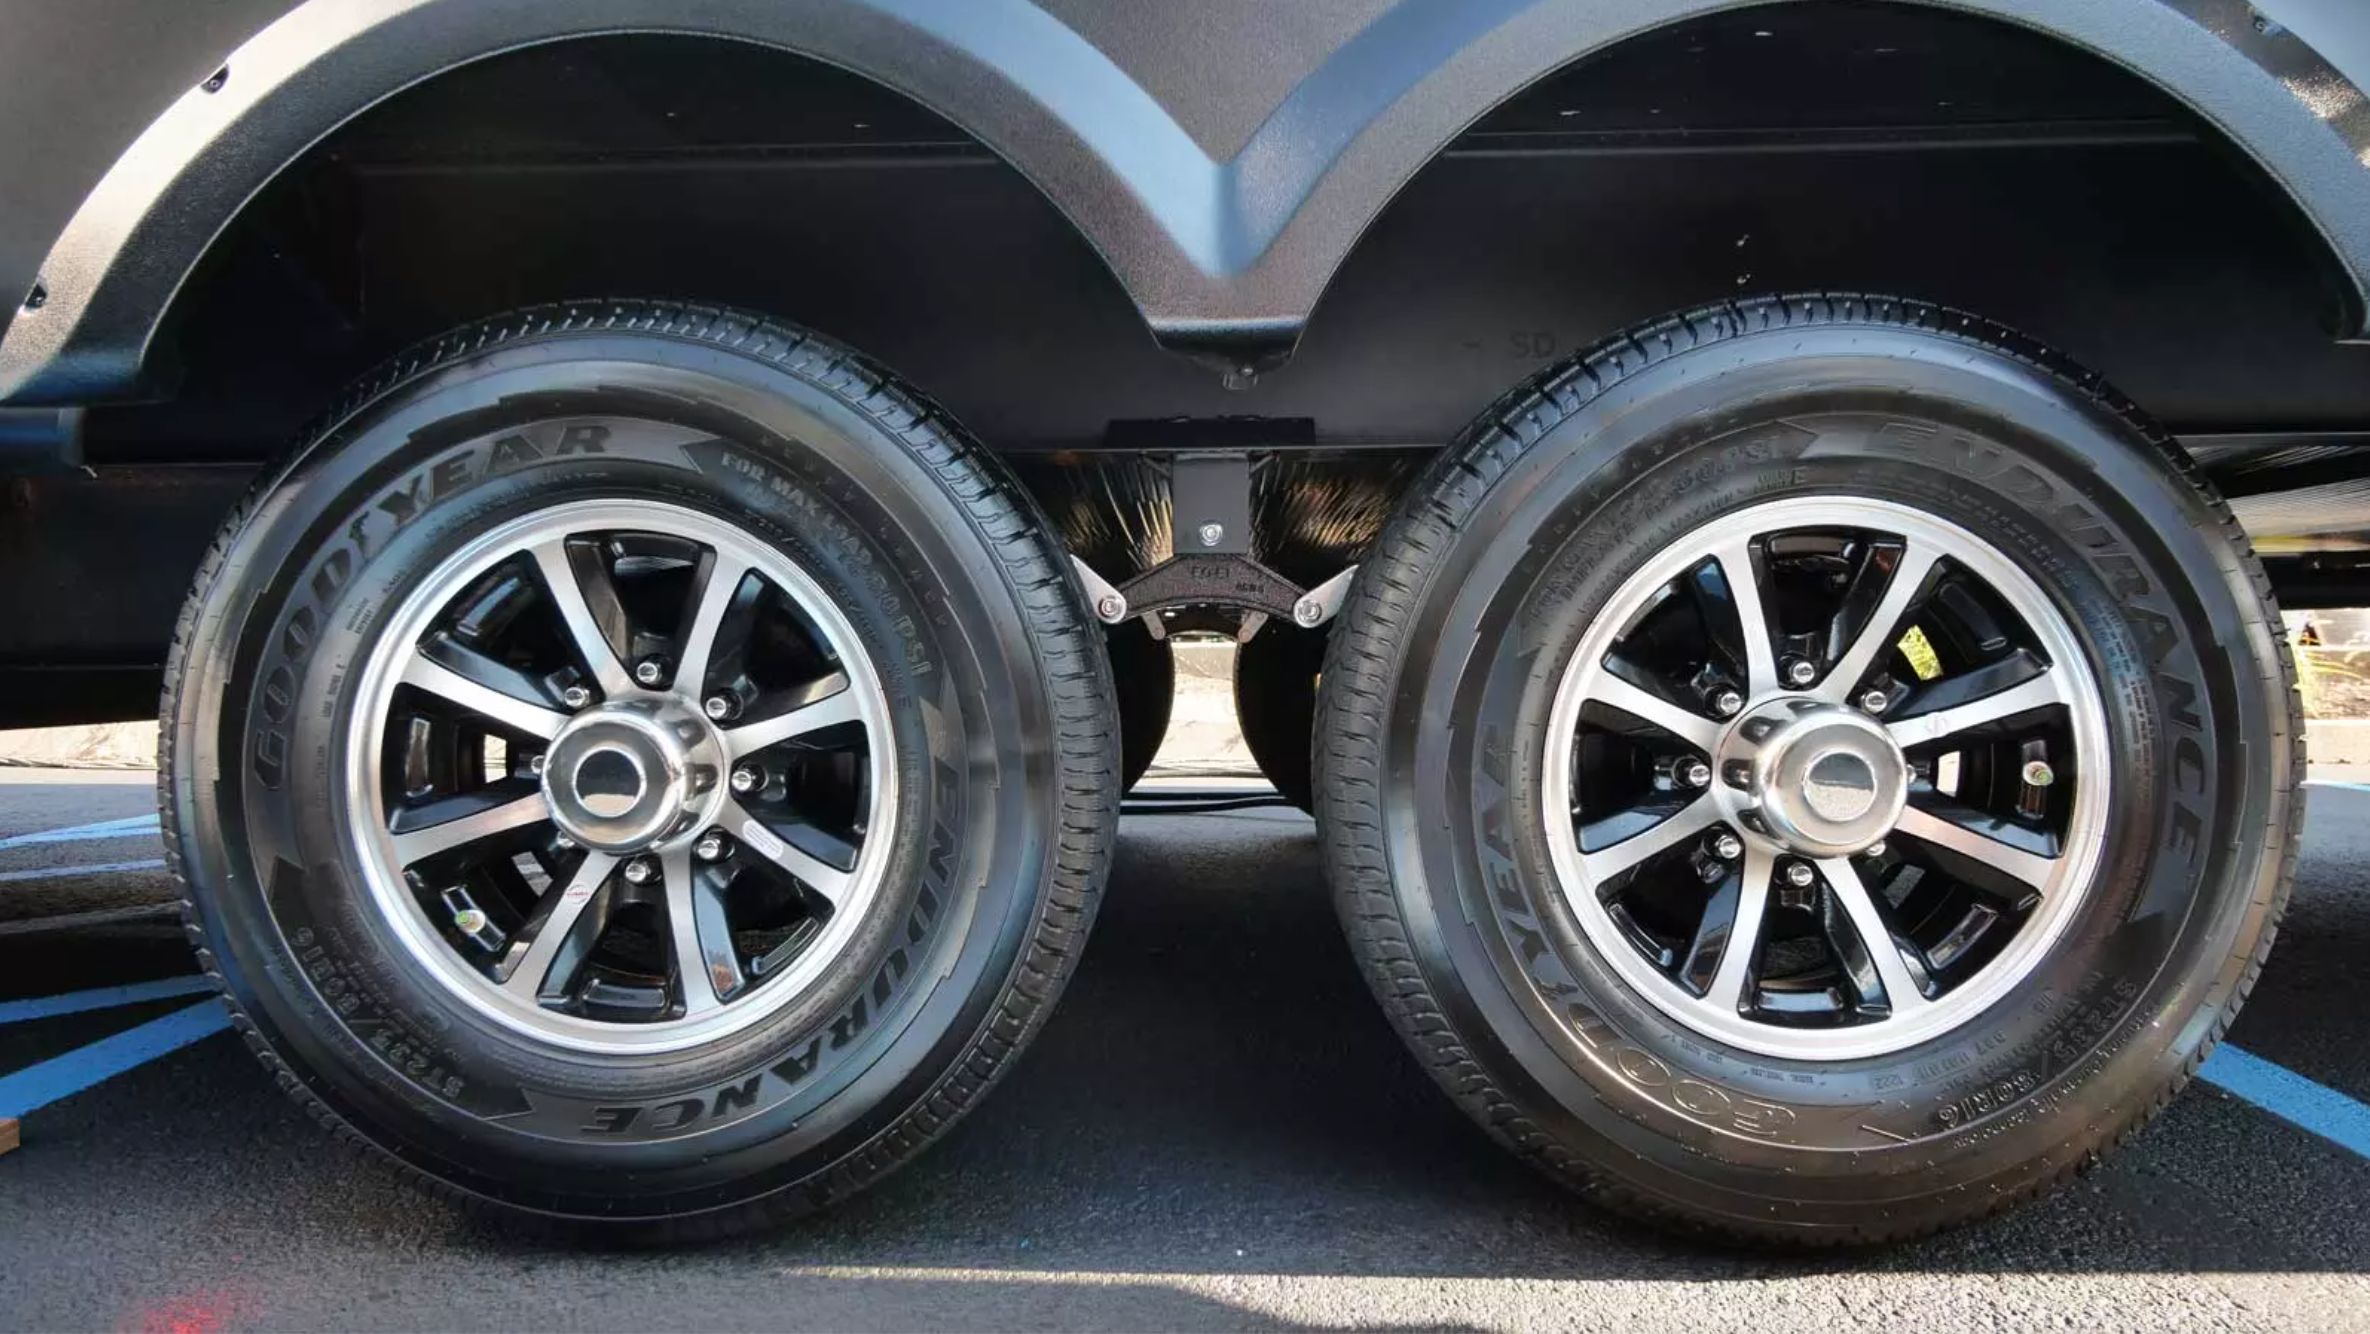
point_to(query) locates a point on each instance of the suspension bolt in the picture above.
(1799, 874)
(746, 779)
(2037, 773)
(1725, 846)
(1694, 773)
(1875, 701)
(1727, 702)
(1110, 607)
(1801, 672)
(650, 671)
(711, 846)
(575, 697)
(641, 871)
(721, 708)
(1873, 850)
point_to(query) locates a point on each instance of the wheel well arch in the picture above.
(1224, 260)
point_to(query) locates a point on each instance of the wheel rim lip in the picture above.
(2076, 864)
(365, 816)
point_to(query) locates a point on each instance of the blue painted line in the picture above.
(131, 827)
(64, 1076)
(2290, 1097)
(101, 998)
(94, 868)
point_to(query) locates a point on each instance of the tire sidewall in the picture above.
(2073, 495)
(269, 672)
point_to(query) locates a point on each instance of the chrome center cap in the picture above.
(632, 776)
(1816, 780)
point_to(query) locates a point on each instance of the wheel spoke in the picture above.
(510, 711)
(820, 710)
(1694, 818)
(815, 873)
(540, 968)
(2027, 868)
(587, 626)
(1883, 625)
(1744, 591)
(704, 956)
(696, 646)
(2035, 693)
(1695, 730)
(1720, 959)
(1901, 989)
(414, 844)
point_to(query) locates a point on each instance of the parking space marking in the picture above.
(102, 998)
(2289, 1096)
(61, 1077)
(94, 868)
(129, 827)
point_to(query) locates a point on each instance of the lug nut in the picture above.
(1727, 703)
(650, 671)
(641, 871)
(1799, 874)
(1875, 701)
(721, 707)
(1212, 534)
(711, 846)
(575, 697)
(1725, 846)
(1694, 773)
(562, 843)
(1875, 849)
(1801, 672)
(2037, 773)
(746, 779)
(535, 765)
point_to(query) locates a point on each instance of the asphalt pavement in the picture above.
(1216, 1130)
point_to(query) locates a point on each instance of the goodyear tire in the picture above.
(1144, 674)
(639, 763)
(1275, 703)
(1885, 917)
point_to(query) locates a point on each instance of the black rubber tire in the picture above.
(1438, 684)
(1144, 673)
(968, 606)
(1275, 704)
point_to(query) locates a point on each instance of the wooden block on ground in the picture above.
(7, 1134)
